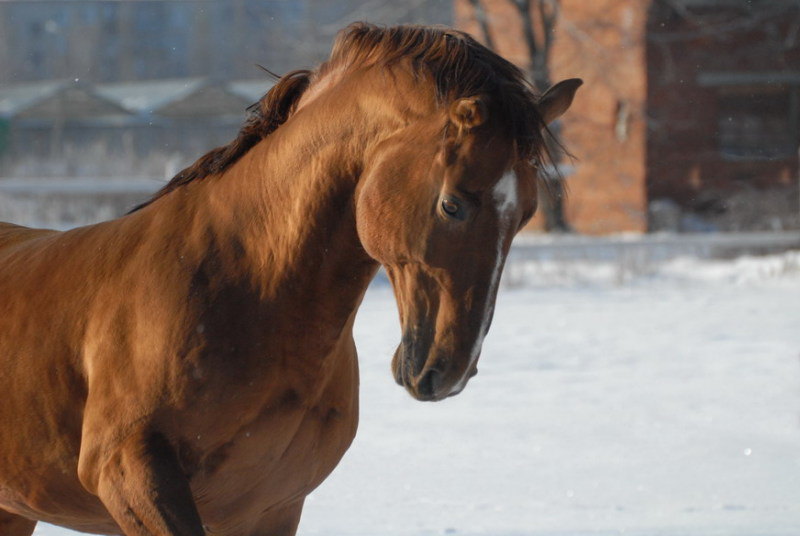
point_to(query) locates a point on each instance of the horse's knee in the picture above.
(14, 525)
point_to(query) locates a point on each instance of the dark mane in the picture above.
(458, 65)
(264, 116)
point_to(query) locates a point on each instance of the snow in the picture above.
(610, 400)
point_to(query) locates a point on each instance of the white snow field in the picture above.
(667, 403)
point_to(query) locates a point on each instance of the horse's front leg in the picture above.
(14, 525)
(145, 491)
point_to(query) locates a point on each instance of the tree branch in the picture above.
(483, 22)
(529, 35)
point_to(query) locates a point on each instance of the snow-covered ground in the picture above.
(665, 402)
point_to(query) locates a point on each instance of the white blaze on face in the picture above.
(506, 198)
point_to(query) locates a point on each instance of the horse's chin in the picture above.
(429, 388)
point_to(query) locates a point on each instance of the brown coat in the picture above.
(190, 367)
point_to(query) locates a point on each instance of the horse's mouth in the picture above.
(422, 388)
(429, 384)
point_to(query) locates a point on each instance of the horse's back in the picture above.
(12, 234)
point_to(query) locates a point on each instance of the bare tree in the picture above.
(538, 19)
(483, 22)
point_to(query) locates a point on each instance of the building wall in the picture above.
(724, 112)
(601, 42)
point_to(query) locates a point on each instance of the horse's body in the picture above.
(192, 364)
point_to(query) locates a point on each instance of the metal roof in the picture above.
(184, 97)
(55, 98)
(150, 95)
(21, 96)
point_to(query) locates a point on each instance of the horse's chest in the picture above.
(280, 455)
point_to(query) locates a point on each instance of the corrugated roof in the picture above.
(150, 95)
(55, 98)
(14, 99)
(170, 97)
(208, 100)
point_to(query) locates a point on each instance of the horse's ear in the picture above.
(557, 99)
(468, 112)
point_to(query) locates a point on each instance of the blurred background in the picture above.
(641, 376)
(689, 120)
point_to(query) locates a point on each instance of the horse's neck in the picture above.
(289, 205)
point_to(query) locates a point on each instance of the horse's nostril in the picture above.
(429, 383)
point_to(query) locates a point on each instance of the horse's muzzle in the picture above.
(424, 382)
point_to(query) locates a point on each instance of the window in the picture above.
(758, 122)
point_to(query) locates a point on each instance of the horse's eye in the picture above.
(450, 207)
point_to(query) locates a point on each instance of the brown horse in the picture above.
(189, 368)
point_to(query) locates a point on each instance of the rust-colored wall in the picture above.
(601, 42)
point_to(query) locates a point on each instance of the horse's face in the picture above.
(439, 213)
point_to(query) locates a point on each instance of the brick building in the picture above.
(723, 104)
(689, 116)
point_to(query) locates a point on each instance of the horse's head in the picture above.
(438, 205)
